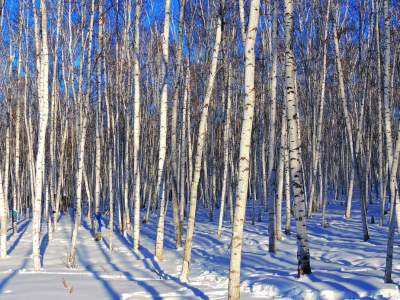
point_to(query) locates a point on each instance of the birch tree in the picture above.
(271, 150)
(163, 132)
(184, 276)
(97, 211)
(84, 107)
(136, 126)
(303, 252)
(43, 91)
(244, 156)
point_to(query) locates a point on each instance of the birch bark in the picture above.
(272, 247)
(184, 277)
(394, 212)
(321, 112)
(97, 211)
(16, 193)
(43, 73)
(380, 134)
(183, 152)
(280, 179)
(3, 221)
(84, 103)
(303, 252)
(163, 130)
(353, 157)
(174, 157)
(244, 156)
(136, 128)
(226, 151)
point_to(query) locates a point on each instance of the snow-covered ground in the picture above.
(344, 267)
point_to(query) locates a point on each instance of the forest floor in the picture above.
(343, 265)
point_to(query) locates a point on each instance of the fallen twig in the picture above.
(65, 284)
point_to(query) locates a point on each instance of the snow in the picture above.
(343, 265)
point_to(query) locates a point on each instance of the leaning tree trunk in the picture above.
(321, 113)
(355, 166)
(184, 277)
(244, 161)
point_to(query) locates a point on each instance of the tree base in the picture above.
(97, 237)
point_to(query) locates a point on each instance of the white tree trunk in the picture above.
(281, 178)
(394, 212)
(3, 221)
(136, 132)
(244, 156)
(183, 151)
(53, 122)
(287, 189)
(110, 127)
(43, 111)
(184, 277)
(97, 211)
(354, 167)
(84, 104)
(303, 252)
(317, 155)
(272, 247)
(226, 152)
(386, 98)
(174, 157)
(386, 80)
(163, 130)
(16, 193)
